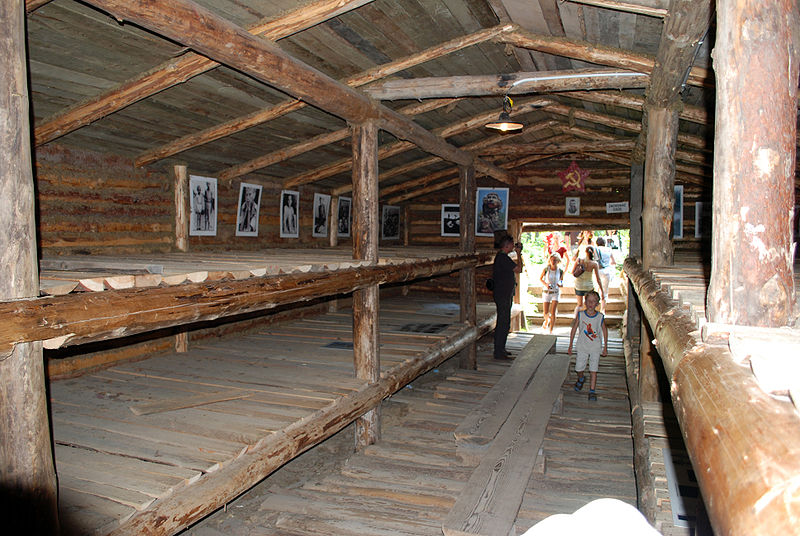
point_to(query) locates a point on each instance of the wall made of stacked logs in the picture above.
(94, 203)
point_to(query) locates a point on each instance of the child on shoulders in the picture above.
(590, 347)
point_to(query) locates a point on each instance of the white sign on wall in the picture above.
(617, 208)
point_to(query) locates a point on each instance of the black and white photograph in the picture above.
(677, 212)
(491, 211)
(247, 214)
(451, 220)
(390, 223)
(203, 192)
(572, 206)
(343, 216)
(322, 207)
(290, 202)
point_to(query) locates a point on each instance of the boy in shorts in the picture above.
(589, 349)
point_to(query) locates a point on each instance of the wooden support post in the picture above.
(659, 179)
(365, 247)
(27, 473)
(468, 358)
(756, 61)
(634, 318)
(181, 208)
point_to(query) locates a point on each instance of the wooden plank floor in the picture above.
(407, 483)
(112, 462)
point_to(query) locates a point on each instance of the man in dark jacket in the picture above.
(504, 273)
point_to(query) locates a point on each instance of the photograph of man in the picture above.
(289, 203)
(247, 215)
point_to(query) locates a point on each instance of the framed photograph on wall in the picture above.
(322, 206)
(677, 212)
(572, 206)
(290, 202)
(247, 213)
(491, 211)
(343, 216)
(451, 220)
(203, 203)
(390, 222)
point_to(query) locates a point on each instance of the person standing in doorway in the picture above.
(504, 271)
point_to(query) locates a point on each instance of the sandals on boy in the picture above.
(579, 383)
(592, 395)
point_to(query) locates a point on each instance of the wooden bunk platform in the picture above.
(161, 442)
(412, 480)
(64, 274)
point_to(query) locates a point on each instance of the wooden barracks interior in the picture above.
(223, 244)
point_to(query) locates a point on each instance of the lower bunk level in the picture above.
(156, 444)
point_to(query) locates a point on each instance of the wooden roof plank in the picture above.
(179, 70)
(261, 116)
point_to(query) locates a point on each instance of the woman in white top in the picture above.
(583, 282)
(552, 280)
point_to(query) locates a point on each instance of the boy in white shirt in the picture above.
(590, 347)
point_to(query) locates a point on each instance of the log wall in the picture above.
(99, 203)
(538, 197)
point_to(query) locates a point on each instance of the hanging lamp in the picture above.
(504, 122)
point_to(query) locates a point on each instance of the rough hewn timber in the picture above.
(561, 147)
(261, 116)
(366, 336)
(741, 441)
(316, 142)
(594, 53)
(27, 473)
(179, 70)
(756, 58)
(181, 210)
(652, 8)
(506, 84)
(467, 291)
(94, 316)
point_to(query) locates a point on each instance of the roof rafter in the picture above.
(202, 30)
(179, 70)
(318, 141)
(507, 84)
(652, 8)
(596, 53)
(261, 116)
(398, 147)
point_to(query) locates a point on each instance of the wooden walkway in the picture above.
(136, 434)
(408, 482)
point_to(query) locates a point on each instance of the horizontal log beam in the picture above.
(197, 27)
(178, 70)
(742, 443)
(96, 316)
(651, 8)
(316, 142)
(688, 112)
(560, 147)
(258, 117)
(596, 53)
(213, 490)
(506, 84)
(33, 5)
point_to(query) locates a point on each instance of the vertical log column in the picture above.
(468, 358)
(181, 180)
(659, 182)
(365, 247)
(756, 64)
(181, 209)
(27, 475)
